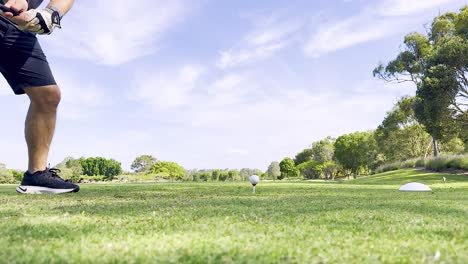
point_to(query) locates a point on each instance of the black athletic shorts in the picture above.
(22, 62)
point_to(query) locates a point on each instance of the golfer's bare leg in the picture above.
(40, 124)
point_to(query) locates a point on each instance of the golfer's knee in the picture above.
(45, 98)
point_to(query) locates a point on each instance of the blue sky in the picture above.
(217, 84)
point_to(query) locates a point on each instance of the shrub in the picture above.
(73, 175)
(457, 162)
(464, 163)
(6, 177)
(412, 163)
(436, 164)
(453, 162)
(420, 163)
(86, 178)
(388, 167)
(100, 166)
(409, 163)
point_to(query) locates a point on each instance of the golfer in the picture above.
(25, 67)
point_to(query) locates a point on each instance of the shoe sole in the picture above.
(24, 189)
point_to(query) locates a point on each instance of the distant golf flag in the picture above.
(254, 180)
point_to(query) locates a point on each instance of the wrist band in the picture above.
(55, 9)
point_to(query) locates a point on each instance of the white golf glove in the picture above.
(42, 21)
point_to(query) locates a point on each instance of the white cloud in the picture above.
(269, 35)
(166, 90)
(405, 7)
(237, 151)
(113, 32)
(233, 58)
(231, 89)
(227, 83)
(80, 97)
(374, 22)
(249, 105)
(274, 31)
(281, 124)
(350, 32)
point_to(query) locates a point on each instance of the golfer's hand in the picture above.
(41, 21)
(20, 6)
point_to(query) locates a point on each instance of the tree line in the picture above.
(144, 167)
(434, 120)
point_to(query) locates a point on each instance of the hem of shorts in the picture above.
(19, 89)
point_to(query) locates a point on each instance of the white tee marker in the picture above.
(254, 180)
(415, 187)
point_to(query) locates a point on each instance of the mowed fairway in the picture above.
(362, 221)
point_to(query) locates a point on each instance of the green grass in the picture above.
(361, 221)
(395, 178)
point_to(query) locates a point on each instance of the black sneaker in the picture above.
(46, 181)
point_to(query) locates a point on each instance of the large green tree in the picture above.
(169, 169)
(201, 175)
(100, 166)
(356, 152)
(310, 170)
(6, 175)
(303, 156)
(400, 136)
(274, 170)
(322, 151)
(454, 146)
(437, 62)
(215, 175)
(143, 163)
(288, 168)
(70, 169)
(331, 169)
(233, 175)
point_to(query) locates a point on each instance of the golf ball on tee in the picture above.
(254, 180)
